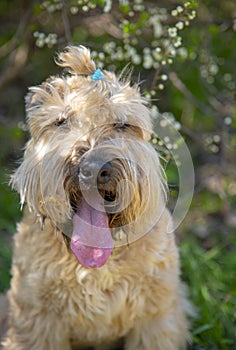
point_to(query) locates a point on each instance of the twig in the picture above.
(155, 79)
(66, 22)
(201, 106)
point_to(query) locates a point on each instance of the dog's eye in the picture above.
(59, 122)
(128, 127)
(121, 127)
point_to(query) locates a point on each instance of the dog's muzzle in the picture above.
(94, 172)
(91, 240)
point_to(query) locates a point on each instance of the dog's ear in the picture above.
(32, 100)
(36, 94)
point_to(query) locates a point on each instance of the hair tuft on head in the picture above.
(77, 59)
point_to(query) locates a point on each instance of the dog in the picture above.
(95, 264)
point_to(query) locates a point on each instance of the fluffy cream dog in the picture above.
(93, 261)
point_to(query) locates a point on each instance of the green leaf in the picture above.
(202, 329)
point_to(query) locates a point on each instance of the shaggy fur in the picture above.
(60, 298)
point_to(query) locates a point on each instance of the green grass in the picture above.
(211, 276)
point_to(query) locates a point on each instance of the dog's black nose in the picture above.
(105, 173)
(95, 172)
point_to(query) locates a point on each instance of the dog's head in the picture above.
(89, 166)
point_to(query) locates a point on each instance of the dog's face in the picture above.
(88, 165)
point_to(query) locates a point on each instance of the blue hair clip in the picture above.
(97, 75)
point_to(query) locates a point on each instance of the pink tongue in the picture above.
(91, 240)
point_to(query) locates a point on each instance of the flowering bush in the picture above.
(145, 35)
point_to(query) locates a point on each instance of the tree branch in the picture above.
(66, 22)
(201, 106)
(9, 46)
(16, 62)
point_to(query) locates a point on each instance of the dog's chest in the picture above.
(104, 305)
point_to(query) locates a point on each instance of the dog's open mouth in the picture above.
(91, 240)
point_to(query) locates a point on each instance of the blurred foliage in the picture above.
(184, 54)
(213, 291)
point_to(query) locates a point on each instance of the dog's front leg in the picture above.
(32, 330)
(162, 333)
(22, 339)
